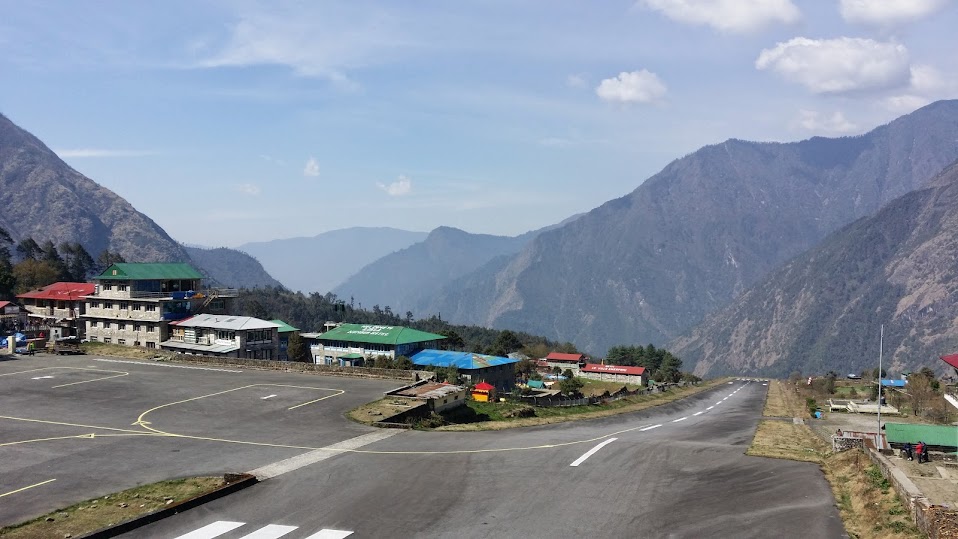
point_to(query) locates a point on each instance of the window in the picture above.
(136, 343)
(121, 288)
(121, 326)
(121, 341)
(93, 338)
(151, 344)
(137, 327)
(107, 340)
(93, 323)
(150, 329)
(137, 307)
(107, 287)
(151, 308)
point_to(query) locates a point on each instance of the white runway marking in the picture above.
(41, 377)
(312, 457)
(698, 413)
(212, 530)
(650, 428)
(710, 407)
(273, 531)
(592, 451)
(330, 534)
(680, 419)
(267, 397)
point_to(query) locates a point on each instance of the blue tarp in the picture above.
(893, 383)
(19, 338)
(461, 360)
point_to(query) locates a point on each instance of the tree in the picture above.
(921, 393)
(297, 349)
(383, 362)
(404, 363)
(525, 367)
(451, 375)
(51, 255)
(32, 274)
(79, 264)
(29, 249)
(7, 279)
(452, 341)
(107, 259)
(507, 342)
(570, 386)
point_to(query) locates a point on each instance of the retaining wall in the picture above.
(934, 521)
(295, 366)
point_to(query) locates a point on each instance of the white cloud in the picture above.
(400, 187)
(838, 65)
(927, 84)
(248, 189)
(632, 87)
(887, 12)
(730, 16)
(312, 168)
(99, 152)
(814, 121)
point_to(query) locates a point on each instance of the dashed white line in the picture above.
(680, 419)
(267, 397)
(592, 451)
(710, 407)
(651, 427)
(698, 413)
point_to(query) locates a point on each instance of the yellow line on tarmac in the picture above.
(25, 488)
(130, 431)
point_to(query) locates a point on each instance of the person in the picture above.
(920, 451)
(924, 453)
(907, 450)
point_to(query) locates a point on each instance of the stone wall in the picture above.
(294, 366)
(934, 521)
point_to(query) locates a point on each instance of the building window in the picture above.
(107, 340)
(137, 327)
(150, 344)
(107, 287)
(151, 308)
(121, 341)
(121, 288)
(93, 323)
(93, 338)
(121, 326)
(136, 343)
(137, 307)
(150, 329)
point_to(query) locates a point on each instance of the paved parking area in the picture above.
(76, 427)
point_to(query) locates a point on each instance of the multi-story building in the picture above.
(133, 304)
(57, 308)
(351, 345)
(224, 336)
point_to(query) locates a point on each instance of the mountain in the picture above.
(823, 310)
(402, 280)
(231, 268)
(687, 241)
(43, 198)
(304, 264)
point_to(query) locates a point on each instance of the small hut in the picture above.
(484, 392)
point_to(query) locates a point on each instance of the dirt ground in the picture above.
(937, 480)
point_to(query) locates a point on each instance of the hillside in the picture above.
(304, 264)
(231, 268)
(823, 310)
(644, 267)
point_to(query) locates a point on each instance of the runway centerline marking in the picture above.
(27, 487)
(698, 413)
(710, 407)
(651, 427)
(680, 419)
(268, 397)
(591, 452)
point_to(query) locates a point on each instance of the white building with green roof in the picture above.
(353, 344)
(133, 304)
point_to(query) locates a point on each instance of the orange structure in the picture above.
(483, 392)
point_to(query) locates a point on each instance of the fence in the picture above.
(328, 370)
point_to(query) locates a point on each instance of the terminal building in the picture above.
(224, 336)
(351, 345)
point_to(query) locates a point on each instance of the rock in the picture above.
(168, 502)
(142, 505)
(49, 519)
(136, 495)
(123, 505)
(63, 515)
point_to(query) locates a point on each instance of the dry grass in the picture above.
(869, 507)
(91, 515)
(118, 350)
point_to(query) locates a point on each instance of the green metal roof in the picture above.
(150, 271)
(946, 435)
(284, 327)
(366, 333)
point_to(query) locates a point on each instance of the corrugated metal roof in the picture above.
(431, 390)
(946, 435)
(224, 321)
(284, 327)
(559, 356)
(893, 383)
(614, 369)
(460, 360)
(951, 359)
(210, 348)
(150, 271)
(62, 291)
(366, 333)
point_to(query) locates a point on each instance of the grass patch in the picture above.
(503, 415)
(868, 507)
(119, 350)
(94, 514)
(597, 388)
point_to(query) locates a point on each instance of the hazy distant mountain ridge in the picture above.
(231, 268)
(823, 310)
(646, 266)
(322, 262)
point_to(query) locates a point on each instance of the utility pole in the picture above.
(881, 346)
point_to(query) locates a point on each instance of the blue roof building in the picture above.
(495, 370)
(893, 383)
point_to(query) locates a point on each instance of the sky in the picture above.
(235, 121)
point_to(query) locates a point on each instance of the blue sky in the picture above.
(229, 122)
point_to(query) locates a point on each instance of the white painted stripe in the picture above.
(717, 403)
(680, 419)
(270, 532)
(330, 534)
(212, 530)
(268, 397)
(698, 413)
(312, 457)
(592, 451)
(155, 364)
(710, 407)
(650, 428)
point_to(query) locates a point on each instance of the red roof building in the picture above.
(61, 292)
(614, 373)
(951, 359)
(559, 357)
(614, 369)
(58, 307)
(483, 386)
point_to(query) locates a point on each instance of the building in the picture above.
(57, 308)
(438, 395)
(353, 344)
(563, 361)
(474, 368)
(224, 336)
(615, 373)
(484, 392)
(12, 317)
(285, 330)
(133, 304)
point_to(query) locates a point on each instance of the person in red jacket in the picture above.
(920, 451)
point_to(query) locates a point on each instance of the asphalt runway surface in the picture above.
(677, 470)
(79, 427)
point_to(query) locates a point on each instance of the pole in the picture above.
(881, 345)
